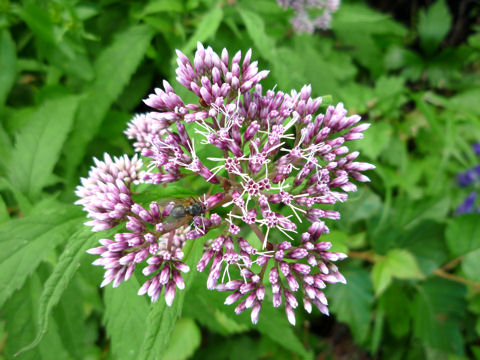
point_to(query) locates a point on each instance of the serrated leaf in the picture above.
(113, 69)
(438, 309)
(156, 6)
(206, 28)
(395, 301)
(69, 315)
(358, 27)
(352, 303)
(62, 274)
(381, 276)
(403, 265)
(471, 265)
(38, 20)
(426, 242)
(4, 216)
(28, 241)
(463, 234)
(433, 24)
(39, 143)
(8, 65)
(397, 263)
(125, 309)
(186, 338)
(376, 139)
(161, 319)
(18, 313)
(208, 308)
(256, 31)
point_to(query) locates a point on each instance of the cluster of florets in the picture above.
(274, 163)
(467, 179)
(303, 21)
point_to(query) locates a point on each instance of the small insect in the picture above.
(181, 211)
(190, 208)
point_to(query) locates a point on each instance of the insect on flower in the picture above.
(187, 207)
(181, 211)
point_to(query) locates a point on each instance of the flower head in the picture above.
(277, 163)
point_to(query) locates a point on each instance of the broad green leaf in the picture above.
(359, 27)
(352, 303)
(403, 265)
(39, 143)
(61, 276)
(433, 24)
(186, 338)
(39, 21)
(426, 242)
(381, 276)
(463, 234)
(156, 6)
(8, 65)
(376, 139)
(18, 314)
(397, 263)
(438, 309)
(471, 265)
(27, 242)
(205, 30)
(208, 308)
(113, 69)
(124, 309)
(161, 319)
(256, 31)
(396, 301)
(69, 314)
(4, 216)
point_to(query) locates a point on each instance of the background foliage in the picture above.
(72, 73)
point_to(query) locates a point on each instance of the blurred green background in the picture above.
(73, 73)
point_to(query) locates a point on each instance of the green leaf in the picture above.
(156, 6)
(38, 20)
(8, 65)
(61, 276)
(124, 308)
(208, 308)
(396, 301)
(403, 265)
(433, 24)
(39, 143)
(463, 234)
(471, 265)
(27, 242)
(438, 309)
(186, 338)
(161, 319)
(256, 31)
(352, 303)
(358, 27)
(427, 242)
(4, 215)
(205, 30)
(69, 314)
(113, 69)
(18, 314)
(397, 263)
(376, 139)
(381, 276)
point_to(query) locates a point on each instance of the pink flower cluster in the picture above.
(303, 21)
(276, 164)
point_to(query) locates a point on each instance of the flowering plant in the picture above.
(274, 165)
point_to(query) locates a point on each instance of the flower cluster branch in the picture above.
(276, 164)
